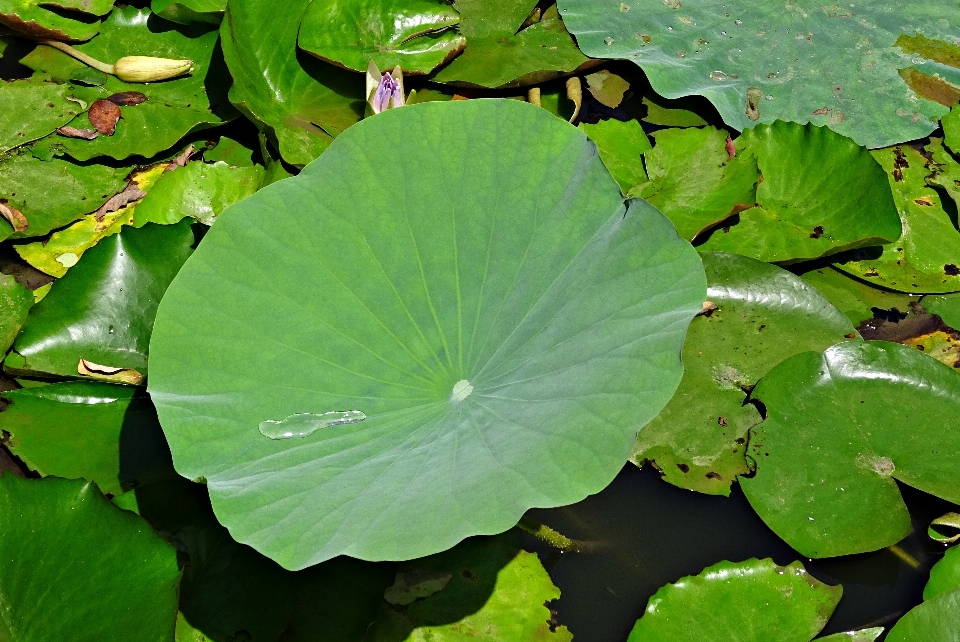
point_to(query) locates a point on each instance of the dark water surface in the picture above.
(648, 533)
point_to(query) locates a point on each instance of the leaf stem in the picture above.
(79, 55)
(548, 535)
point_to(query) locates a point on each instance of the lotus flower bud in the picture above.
(148, 69)
(384, 90)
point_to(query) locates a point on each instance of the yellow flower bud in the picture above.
(148, 69)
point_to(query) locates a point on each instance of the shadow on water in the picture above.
(650, 533)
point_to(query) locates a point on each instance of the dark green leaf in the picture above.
(190, 11)
(855, 298)
(946, 307)
(945, 575)
(683, 112)
(39, 19)
(936, 620)
(15, 303)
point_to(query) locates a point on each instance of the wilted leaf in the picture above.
(109, 373)
(608, 88)
(128, 98)
(103, 115)
(73, 132)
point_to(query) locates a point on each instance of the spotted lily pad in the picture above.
(840, 428)
(34, 107)
(15, 302)
(525, 320)
(855, 298)
(870, 71)
(763, 315)
(750, 601)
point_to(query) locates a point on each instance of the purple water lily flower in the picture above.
(384, 91)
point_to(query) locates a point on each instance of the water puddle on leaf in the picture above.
(305, 424)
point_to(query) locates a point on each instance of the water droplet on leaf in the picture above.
(305, 424)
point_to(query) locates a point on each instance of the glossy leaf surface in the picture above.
(34, 108)
(15, 303)
(39, 19)
(821, 194)
(417, 35)
(840, 428)
(620, 145)
(947, 307)
(809, 62)
(863, 635)
(765, 314)
(750, 601)
(67, 551)
(190, 11)
(479, 326)
(945, 574)
(936, 620)
(855, 298)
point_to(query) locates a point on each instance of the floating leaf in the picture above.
(32, 109)
(943, 528)
(683, 112)
(919, 261)
(763, 315)
(945, 172)
(821, 194)
(102, 311)
(526, 280)
(190, 11)
(937, 619)
(417, 35)
(945, 575)
(755, 61)
(111, 374)
(608, 88)
(863, 635)
(750, 601)
(78, 568)
(946, 307)
(105, 433)
(693, 180)
(855, 298)
(59, 20)
(951, 130)
(302, 102)
(825, 479)
(15, 303)
(620, 145)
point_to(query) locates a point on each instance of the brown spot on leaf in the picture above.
(926, 201)
(931, 87)
(722, 421)
(127, 98)
(823, 111)
(683, 468)
(951, 270)
(130, 193)
(708, 308)
(713, 475)
(104, 115)
(754, 94)
(850, 336)
(731, 148)
(817, 232)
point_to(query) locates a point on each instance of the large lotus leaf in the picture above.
(417, 35)
(946, 307)
(51, 194)
(77, 568)
(821, 194)
(840, 428)
(199, 190)
(693, 180)
(936, 620)
(919, 261)
(174, 108)
(106, 433)
(520, 320)
(301, 101)
(750, 601)
(15, 303)
(945, 575)
(33, 108)
(853, 297)
(190, 11)
(103, 309)
(495, 592)
(58, 19)
(499, 53)
(758, 61)
(620, 145)
(764, 315)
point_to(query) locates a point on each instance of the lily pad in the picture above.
(78, 568)
(525, 320)
(682, 112)
(102, 432)
(190, 11)
(620, 145)
(946, 172)
(945, 574)
(40, 19)
(821, 194)
(951, 130)
(763, 315)
(947, 307)
(500, 54)
(750, 601)
(103, 309)
(936, 620)
(756, 62)
(34, 107)
(15, 303)
(840, 428)
(303, 102)
(417, 35)
(863, 635)
(853, 297)
(919, 261)
(693, 180)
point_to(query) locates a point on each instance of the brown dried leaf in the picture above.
(104, 115)
(180, 160)
(109, 373)
(74, 132)
(128, 98)
(130, 193)
(15, 217)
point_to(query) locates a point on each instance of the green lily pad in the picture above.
(500, 54)
(750, 601)
(682, 112)
(620, 145)
(764, 315)
(853, 297)
(863, 635)
(174, 108)
(302, 102)
(34, 107)
(103, 309)
(199, 190)
(495, 592)
(525, 319)
(78, 568)
(15, 303)
(951, 130)
(417, 35)
(230, 151)
(840, 428)
(945, 575)
(755, 61)
(190, 11)
(26, 182)
(919, 261)
(821, 194)
(947, 307)
(693, 180)
(40, 19)
(106, 433)
(946, 171)
(936, 620)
